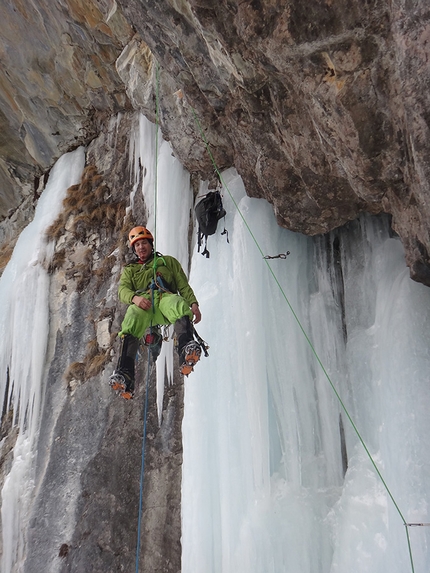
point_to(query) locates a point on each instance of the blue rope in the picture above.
(153, 287)
(142, 467)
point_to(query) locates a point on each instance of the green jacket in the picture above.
(137, 278)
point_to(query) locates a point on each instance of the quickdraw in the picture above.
(280, 256)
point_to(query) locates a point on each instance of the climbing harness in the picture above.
(280, 256)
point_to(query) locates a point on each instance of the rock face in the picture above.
(58, 79)
(323, 105)
(322, 108)
(89, 451)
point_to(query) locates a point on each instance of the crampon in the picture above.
(191, 355)
(121, 386)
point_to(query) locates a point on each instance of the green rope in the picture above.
(308, 340)
(157, 98)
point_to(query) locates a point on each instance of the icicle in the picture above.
(24, 327)
(263, 474)
(174, 202)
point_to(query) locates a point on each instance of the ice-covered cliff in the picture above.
(322, 111)
(321, 374)
(305, 431)
(71, 452)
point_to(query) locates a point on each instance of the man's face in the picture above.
(143, 249)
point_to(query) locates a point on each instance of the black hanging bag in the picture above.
(208, 212)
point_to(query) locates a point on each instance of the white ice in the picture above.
(165, 186)
(24, 328)
(263, 486)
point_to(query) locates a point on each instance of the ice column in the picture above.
(168, 200)
(264, 488)
(24, 327)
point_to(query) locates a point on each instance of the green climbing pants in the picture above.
(168, 308)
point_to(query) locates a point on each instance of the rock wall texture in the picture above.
(84, 516)
(322, 107)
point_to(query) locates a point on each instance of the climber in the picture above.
(157, 291)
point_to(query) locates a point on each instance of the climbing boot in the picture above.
(122, 380)
(122, 384)
(127, 394)
(117, 382)
(189, 357)
(183, 329)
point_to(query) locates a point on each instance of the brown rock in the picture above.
(322, 107)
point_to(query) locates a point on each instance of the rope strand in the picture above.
(142, 467)
(157, 81)
(154, 268)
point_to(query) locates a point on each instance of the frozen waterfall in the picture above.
(275, 479)
(24, 327)
(264, 489)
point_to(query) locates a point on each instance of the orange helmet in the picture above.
(138, 233)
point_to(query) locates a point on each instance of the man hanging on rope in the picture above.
(157, 291)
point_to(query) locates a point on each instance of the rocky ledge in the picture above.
(322, 107)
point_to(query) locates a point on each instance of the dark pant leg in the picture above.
(127, 358)
(183, 328)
